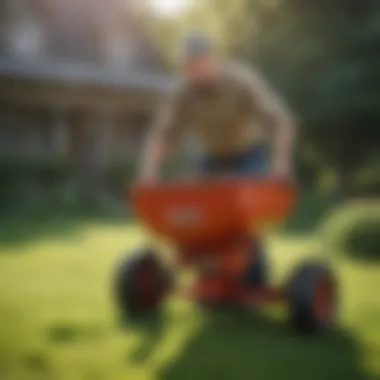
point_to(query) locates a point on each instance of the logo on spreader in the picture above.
(183, 215)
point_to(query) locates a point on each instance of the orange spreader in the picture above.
(202, 211)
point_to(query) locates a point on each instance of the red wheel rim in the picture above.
(148, 285)
(324, 299)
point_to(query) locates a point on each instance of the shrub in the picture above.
(310, 208)
(354, 230)
(363, 240)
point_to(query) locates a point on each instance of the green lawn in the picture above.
(57, 319)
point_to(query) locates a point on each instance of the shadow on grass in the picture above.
(152, 326)
(17, 232)
(36, 362)
(62, 334)
(236, 346)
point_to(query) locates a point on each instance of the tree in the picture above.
(323, 57)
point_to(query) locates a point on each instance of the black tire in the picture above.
(304, 297)
(257, 274)
(130, 296)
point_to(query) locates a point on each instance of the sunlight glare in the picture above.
(170, 7)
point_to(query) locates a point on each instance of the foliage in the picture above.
(323, 56)
(40, 186)
(310, 210)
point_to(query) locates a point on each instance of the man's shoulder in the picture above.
(241, 73)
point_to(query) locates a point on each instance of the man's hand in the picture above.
(282, 169)
(147, 179)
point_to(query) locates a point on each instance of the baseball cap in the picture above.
(196, 44)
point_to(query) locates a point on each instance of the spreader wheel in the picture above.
(312, 297)
(142, 282)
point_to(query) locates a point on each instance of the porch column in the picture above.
(99, 149)
(60, 133)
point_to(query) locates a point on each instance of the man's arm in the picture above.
(275, 114)
(165, 131)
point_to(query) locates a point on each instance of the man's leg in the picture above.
(254, 162)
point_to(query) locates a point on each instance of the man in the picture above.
(232, 113)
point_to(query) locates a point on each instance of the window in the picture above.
(120, 51)
(25, 38)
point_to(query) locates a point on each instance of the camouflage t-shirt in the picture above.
(228, 118)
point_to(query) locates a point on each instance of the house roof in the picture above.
(77, 73)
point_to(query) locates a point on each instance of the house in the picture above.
(79, 80)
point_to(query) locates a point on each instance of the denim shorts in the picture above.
(253, 161)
